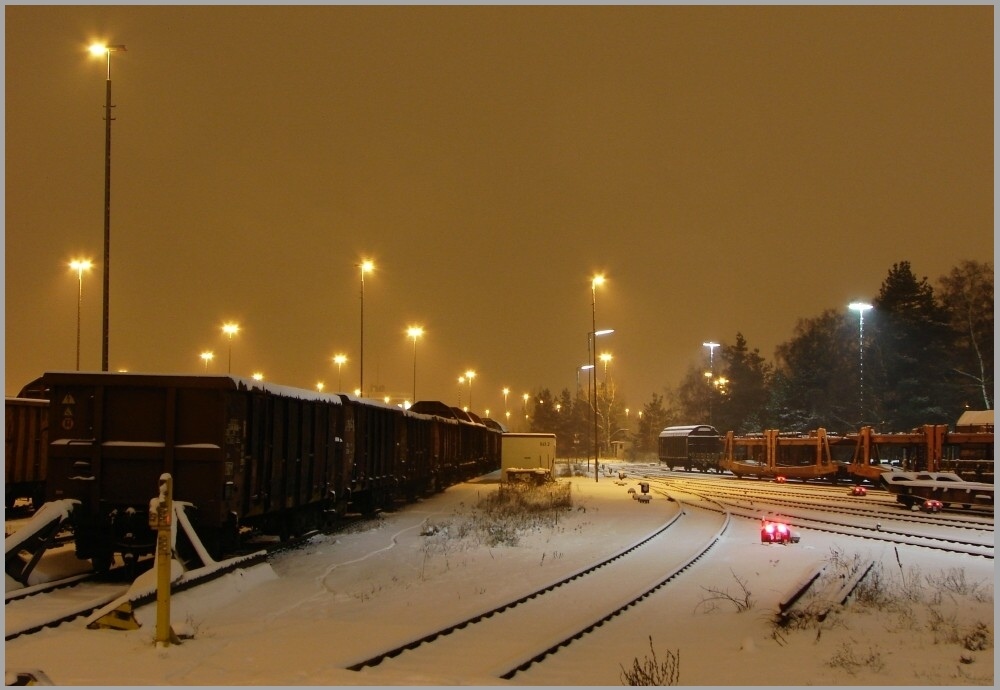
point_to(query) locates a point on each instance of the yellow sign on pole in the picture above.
(161, 512)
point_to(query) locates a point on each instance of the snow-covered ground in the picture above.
(305, 616)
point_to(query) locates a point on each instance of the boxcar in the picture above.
(696, 446)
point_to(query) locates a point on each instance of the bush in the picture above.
(652, 671)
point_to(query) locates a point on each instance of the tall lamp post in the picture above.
(230, 329)
(207, 357)
(595, 281)
(711, 375)
(79, 265)
(366, 266)
(339, 361)
(861, 308)
(414, 332)
(469, 375)
(102, 49)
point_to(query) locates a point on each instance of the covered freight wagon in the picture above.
(696, 446)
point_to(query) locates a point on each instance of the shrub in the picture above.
(652, 671)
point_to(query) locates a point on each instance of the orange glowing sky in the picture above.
(729, 169)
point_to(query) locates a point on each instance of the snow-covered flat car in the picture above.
(859, 491)
(931, 505)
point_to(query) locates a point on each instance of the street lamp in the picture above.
(506, 392)
(230, 329)
(469, 375)
(339, 361)
(709, 376)
(595, 281)
(414, 332)
(606, 357)
(207, 357)
(711, 355)
(102, 49)
(366, 266)
(79, 265)
(861, 308)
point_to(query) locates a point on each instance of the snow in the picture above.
(306, 615)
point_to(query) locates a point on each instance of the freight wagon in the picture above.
(251, 457)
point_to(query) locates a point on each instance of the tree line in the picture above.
(921, 354)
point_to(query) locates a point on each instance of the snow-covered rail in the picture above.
(609, 587)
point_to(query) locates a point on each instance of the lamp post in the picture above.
(710, 375)
(595, 281)
(366, 266)
(102, 49)
(339, 361)
(861, 308)
(206, 358)
(230, 329)
(469, 375)
(414, 332)
(79, 265)
(506, 392)
(606, 357)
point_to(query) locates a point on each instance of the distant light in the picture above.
(230, 329)
(605, 331)
(339, 359)
(583, 368)
(319, 386)
(414, 332)
(859, 306)
(257, 376)
(98, 49)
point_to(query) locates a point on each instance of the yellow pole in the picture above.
(164, 557)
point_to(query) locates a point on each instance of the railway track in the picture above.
(32, 609)
(755, 503)
(560, 613)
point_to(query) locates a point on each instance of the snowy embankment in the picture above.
(346, 597)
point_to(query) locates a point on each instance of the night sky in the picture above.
(728, 169)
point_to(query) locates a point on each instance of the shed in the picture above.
(975, 421)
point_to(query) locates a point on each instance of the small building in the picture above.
(527, 452)
(975, 422)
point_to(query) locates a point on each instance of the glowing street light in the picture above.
(79, 265)
(339, 361)
(366, 266)
(592, 342)
(469, 375)
(709, 375)
(606, 357)
(207, 356)
(861, 308)
(99, 49)
(506, 392)
(711, 355)
(414, 332)
(258, 376)
(230, 329)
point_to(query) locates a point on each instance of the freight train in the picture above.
(251, 457)
(819, 454)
